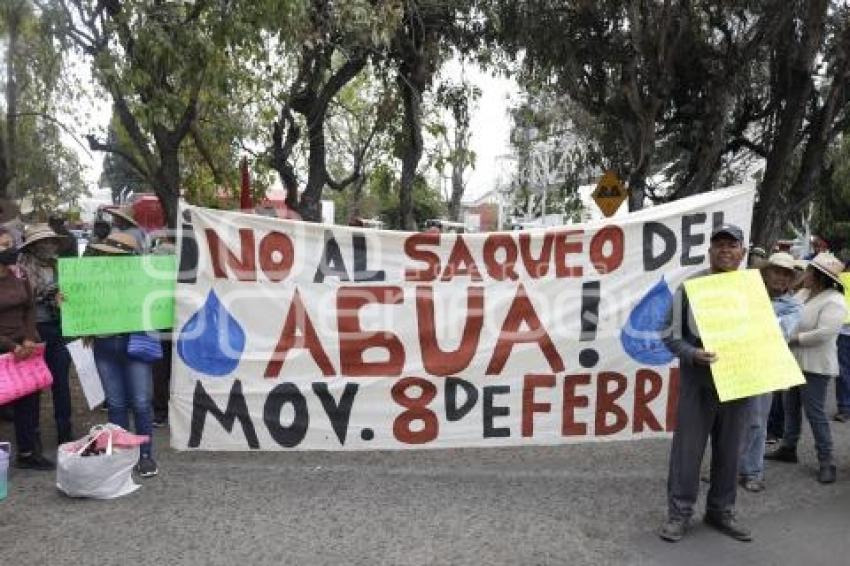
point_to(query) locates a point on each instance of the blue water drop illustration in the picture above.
(642, 337)
(212, 341)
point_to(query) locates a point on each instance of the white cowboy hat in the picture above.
(782, 260)
(37, 233)
(124, 212)
(829, 265)
(118, 243)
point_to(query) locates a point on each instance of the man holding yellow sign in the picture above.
(701, 413)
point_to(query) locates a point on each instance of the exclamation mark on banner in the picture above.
(590, 296)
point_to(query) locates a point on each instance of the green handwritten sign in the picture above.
(112, 295)
(736, 321)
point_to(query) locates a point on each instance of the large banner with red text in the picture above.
(293, 335)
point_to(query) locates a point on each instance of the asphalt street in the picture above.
(580, 504)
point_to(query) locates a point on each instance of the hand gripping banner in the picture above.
(292, 335)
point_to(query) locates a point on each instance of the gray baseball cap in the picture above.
(728, 230)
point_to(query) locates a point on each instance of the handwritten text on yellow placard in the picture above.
(736, 321)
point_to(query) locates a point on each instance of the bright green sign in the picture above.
(112, 295)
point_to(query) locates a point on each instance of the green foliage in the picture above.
(831, 214)
(34, 160)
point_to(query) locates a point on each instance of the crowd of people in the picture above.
(30, 313)
(809, 303)
(807, 297)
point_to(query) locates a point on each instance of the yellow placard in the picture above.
(845, 279)
(736, 321)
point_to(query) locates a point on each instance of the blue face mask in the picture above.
(9, 256)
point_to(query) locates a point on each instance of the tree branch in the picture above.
(742, 142)
(96, 145)
(58, 123)
(204, 150)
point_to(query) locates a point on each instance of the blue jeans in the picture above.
(842, 382)
(59, 361)
(751, 462)
(776, 417)
(810, 397)
(127, 384)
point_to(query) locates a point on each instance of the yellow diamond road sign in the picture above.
(610, 193)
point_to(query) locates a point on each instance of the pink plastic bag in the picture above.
(99, 436)
(120, 439)
(19, 378)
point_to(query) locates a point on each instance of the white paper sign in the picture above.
(87, 372)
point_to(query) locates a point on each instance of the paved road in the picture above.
(585, 504)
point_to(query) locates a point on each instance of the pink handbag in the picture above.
(20, 378)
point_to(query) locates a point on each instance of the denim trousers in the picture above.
(842, 382)
(128, 385)
(776, 417)
(751, 463)
(59, 362)
(811, 398)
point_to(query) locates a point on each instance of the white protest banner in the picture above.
(292, 335)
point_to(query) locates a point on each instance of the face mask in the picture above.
(9, 257)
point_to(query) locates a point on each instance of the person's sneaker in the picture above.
(728, 525)
(827, 473)
(841, 417)
(673, 529)
(783, 454)
(34, 461)
(160, 422)
(771, 441)
(753, 485)
(147, 468)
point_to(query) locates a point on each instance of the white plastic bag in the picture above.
(99, 476)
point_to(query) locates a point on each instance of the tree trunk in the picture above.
(10, 166)
(310, 204)
(356, 199)
(411, 95)
(167, 186)
(779, 159)
(458, 167)
(704, 162)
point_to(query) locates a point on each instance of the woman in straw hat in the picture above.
(813, 344)
(777, 271)
(124, 221)
(18, 336)
(127, 381)
(39, 252)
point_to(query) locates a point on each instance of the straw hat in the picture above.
(37, 233)
(124, 212)
(118, 243)
(781, 260)
(829, 265)
(801, 264)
